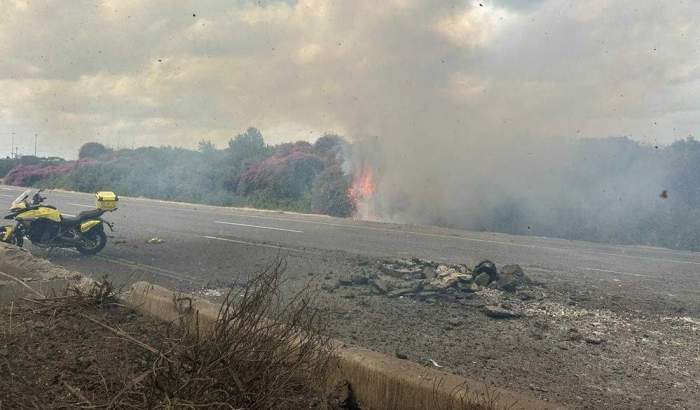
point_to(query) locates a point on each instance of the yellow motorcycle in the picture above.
(46, 227)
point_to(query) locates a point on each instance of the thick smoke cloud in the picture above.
(471, 103)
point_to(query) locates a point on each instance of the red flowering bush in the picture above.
(26, 175)
(288, 174)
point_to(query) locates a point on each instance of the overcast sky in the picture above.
(172, 72)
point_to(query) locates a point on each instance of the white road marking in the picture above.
(574, 268)
(141, 266)
(71, 215)
(84, 206)
(216, 238)
(618, 272)
(153, 269)
(259, 227)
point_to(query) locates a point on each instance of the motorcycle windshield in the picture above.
(21, 198)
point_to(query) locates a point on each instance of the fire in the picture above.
(363, 185)
(361, 193)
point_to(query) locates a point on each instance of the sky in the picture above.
(427, 76)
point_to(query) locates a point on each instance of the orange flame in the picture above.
(361, 192)
(363, 185)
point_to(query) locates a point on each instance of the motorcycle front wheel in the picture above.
(93, 243)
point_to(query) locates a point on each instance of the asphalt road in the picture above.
(205, 245)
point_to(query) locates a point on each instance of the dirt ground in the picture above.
(53, 357)
(61, 353)
(573, 344)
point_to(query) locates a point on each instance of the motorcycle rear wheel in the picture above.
(93, 244)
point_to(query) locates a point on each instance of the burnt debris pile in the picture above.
(428, 279)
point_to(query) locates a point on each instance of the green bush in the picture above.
(93, 150)
(6, 164)
(330, 193)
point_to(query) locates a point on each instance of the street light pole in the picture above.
(35, 141)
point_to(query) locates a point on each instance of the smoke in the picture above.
(483, 127)
(580, 189)
(473, 104)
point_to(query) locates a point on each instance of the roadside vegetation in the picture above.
(296, 176)
(605, 190)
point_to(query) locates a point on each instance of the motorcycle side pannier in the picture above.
(107, 201)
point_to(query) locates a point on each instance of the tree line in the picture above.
(297, 176)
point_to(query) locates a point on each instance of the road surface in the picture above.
(203, 245)
(639, 300)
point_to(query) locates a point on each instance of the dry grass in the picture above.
(261, 353)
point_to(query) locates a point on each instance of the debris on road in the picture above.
(573, 335)
(488, 268)
(594, 340)
(500, 293)
(155, 241)
(482, 279)
(402, 270)
(427, 279)
(499, 312)
(434, 363)
(510, 278)
(537, 388)
(215, 293)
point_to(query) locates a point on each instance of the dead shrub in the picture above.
(262, 353)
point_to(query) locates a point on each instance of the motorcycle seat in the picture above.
(91, 214)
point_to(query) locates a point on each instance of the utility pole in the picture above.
(12, 146)
(36, 137)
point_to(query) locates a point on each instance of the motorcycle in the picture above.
(46, 227)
